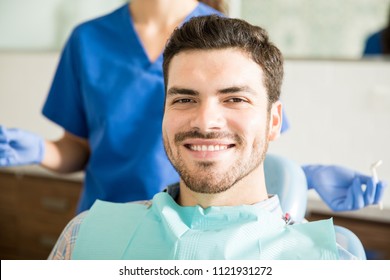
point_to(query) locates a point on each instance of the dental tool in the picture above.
(375, 177)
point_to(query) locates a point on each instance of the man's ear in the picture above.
(275, 121)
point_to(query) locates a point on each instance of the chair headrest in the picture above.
(286, 178)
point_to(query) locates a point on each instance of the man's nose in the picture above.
(209, 116)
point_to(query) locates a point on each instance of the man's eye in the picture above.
(235, 100)
(183, 100)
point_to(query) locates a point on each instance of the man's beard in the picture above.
(203, 179)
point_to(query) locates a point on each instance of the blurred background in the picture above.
(301, 28)
(337, 102)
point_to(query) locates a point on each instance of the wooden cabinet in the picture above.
(33, 212)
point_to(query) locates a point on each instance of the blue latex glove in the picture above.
(19, 147)
(342, 188)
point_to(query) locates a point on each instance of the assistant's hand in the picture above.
(19, 147)
(342, 188)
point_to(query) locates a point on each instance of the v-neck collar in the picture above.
(138, 41)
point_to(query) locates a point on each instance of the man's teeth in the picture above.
(209, 148)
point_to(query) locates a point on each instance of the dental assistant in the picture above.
(108, 96)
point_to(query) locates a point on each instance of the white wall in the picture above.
(25, 79)
(303, 28)
(45, 24)
(339, 111)
(320, 28)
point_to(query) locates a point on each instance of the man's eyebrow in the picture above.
(184, 91)
(235, 89)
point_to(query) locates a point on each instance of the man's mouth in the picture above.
(208, 148)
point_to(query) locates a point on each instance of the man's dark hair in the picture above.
(214, 32)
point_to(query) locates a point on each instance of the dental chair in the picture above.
(286, 178)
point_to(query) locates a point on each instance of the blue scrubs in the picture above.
(108, 91)
(373, 44)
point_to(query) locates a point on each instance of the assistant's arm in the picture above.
(66, 155)
(20, 147)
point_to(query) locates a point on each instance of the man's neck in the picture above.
(248, 191)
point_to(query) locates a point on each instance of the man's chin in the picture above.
(207, 185)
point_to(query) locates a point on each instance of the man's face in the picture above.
(216, 124)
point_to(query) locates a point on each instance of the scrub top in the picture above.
(108, 91)
(373, 44)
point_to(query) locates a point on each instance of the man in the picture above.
(222, 81)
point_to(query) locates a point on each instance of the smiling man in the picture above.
(217, 126)
(222, 80)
